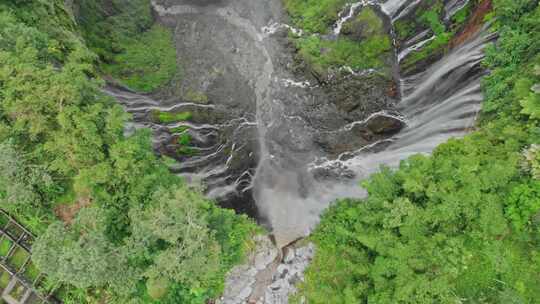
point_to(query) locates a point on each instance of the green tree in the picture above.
(176, 224)
(82, 256)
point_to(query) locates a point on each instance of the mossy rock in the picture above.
(196, 96)
(367, 24)
(167, 117)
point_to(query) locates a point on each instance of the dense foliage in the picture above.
(131, 48)
(362, 53)
(113, 224)
(314, 16)
(462, 225)
(364, 43)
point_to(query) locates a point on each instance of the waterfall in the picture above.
(344, 16)
(259, 141)
(440, 103)
(396, 9)
(414, 47)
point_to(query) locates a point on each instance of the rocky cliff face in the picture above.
(278, 135)
(259, 120)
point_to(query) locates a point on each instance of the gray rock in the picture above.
(289, 255)
(264, 258)
(282, 270)
(245, 293)
(241, 283)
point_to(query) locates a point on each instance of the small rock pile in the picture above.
(267, 278)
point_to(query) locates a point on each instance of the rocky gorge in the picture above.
(271, 135)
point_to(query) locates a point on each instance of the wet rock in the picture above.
(385, 124)
(365, 25)
(333, 171)
(283, 277)
(344, 143)
(358, 96)
(289, 255)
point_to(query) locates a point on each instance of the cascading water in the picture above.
(282, 140)
(437, 104)
(281, 147)
(440, 103)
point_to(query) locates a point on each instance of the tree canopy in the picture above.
(113, 223)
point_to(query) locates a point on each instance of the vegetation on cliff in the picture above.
(462, 225)
(131, 47)
(430, 16)
(314, 16)
(364, 43)
(113, 224)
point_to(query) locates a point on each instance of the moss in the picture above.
(461, 16)
(366, 23)
(180, 129)
(184, 139)
(437, 45)
(166, 117)
(184, 149)
(147, 62)
(364, 42)
(314, 16)
(196, 96)
(335, 53)
(131, 48)
(404, 29)
(432, 19)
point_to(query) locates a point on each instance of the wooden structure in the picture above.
(20, 281)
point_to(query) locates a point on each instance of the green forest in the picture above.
(114, 225)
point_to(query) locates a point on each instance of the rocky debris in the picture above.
(288, 274)
(361, 134)
(263, 279)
